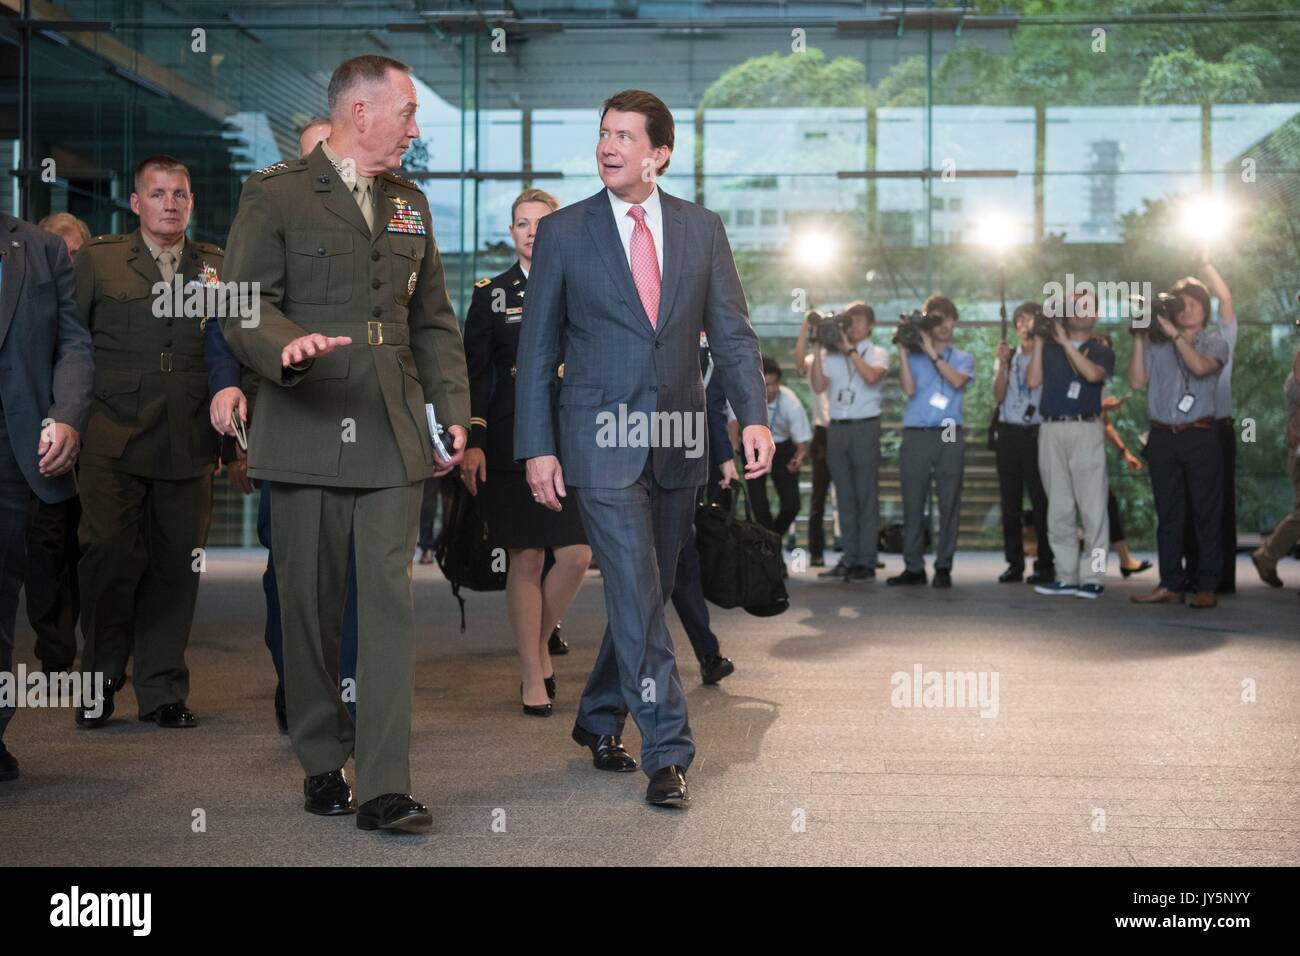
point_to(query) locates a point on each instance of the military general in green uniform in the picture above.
(353, 335)
(149, 450)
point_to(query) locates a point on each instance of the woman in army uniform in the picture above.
(517, 522)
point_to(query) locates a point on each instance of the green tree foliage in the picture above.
(797, 79)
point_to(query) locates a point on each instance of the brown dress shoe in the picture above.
(1267, 574)
(1160, 595)
(1204, 599)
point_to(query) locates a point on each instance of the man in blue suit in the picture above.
(623, 283)
(47, 370)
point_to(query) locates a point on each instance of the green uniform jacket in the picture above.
(355, 417)
(150, 412)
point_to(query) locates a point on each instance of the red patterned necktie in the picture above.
(645, 265)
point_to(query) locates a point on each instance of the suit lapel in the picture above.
(674, 253)
(141, 260)
(11, 274)
(603, 231)
(338, 200)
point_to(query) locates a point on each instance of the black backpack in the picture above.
(740, 561)
(465, 552)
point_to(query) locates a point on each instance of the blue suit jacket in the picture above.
(582, 304)
(47, 362)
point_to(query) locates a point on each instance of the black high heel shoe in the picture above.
(1144, 566)
(543, 710)
(550, 686)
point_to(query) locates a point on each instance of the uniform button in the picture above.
(654, 388)
(376, 312)
(320, 251)
(324, 180)
(659, 345)
(374, 254)
(374, 283)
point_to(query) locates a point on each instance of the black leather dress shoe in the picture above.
(1041, 577)
(942, 579)
(556, 643)
(1011, 576)
(327, 794)
(281, 715)
(8, 765)
(906, 579)
(86, 718)
(394, 811)
(607, 752)
(175, 716)
(667, 787)
(713, 669)
(841, 570)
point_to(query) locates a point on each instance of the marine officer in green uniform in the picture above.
(149, 451)
(353, 335)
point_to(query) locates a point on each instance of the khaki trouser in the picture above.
(1279, 544)
(311, 527)
(1072, 461)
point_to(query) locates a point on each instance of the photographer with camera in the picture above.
(1179, 361)
(849, 368)
(1017, 451)
(1072, 367)
(934, 377)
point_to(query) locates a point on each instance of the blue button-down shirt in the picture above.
(922, 410)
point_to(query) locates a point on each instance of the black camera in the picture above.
(910, 327)
(1043, 325)
(1165, 304)
(827, 329)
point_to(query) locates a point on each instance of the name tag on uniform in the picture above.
(1072, 392)
(516, 314)
(939, 401)
(1186, 402)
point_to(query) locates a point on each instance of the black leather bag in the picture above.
(740, 561)
(465, 552)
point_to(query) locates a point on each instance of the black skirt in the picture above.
(515, 520)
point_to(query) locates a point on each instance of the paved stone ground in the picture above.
(1121, 737)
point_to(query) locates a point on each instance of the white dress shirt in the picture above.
(654, 220)
(787, 418)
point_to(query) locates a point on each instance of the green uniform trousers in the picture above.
(139, 576)
(310, 528)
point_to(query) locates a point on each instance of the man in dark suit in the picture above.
(46, 375)
(624, 282)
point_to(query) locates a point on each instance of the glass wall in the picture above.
(890, 139)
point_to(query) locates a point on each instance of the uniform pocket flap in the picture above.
(408, 246)
(319, 244)
(326, 367)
